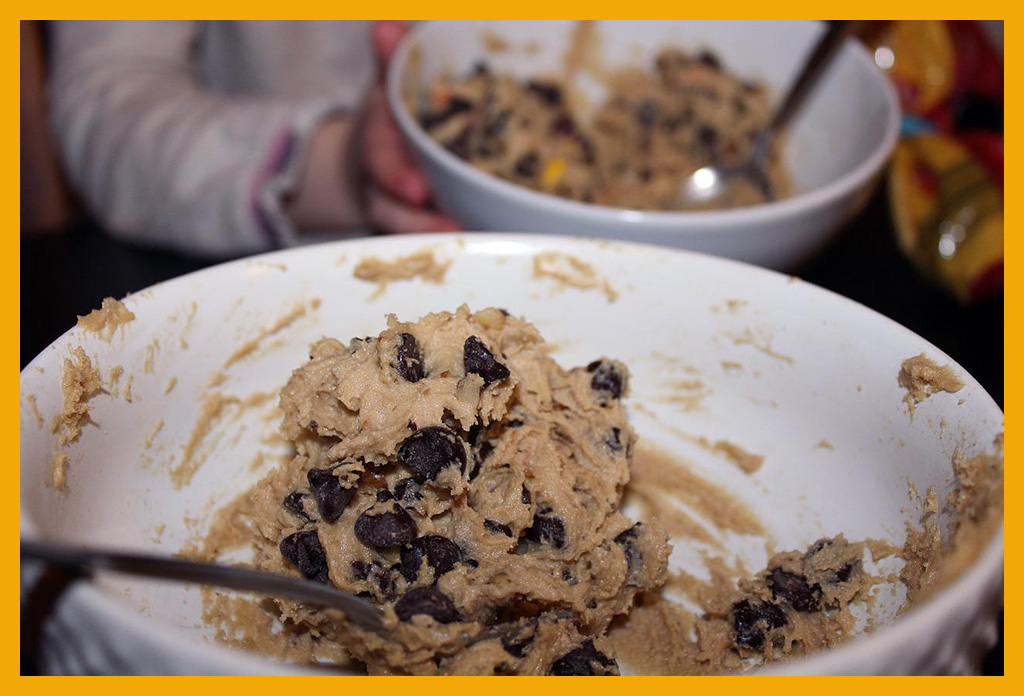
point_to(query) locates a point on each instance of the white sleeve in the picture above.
(156, 157)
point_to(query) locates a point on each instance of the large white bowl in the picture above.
(835, 148)
(826, 370)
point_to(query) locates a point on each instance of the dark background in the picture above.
(69, 274)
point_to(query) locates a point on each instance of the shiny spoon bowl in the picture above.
(712, 182)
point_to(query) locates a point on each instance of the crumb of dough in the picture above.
(127, 392)
(745, 460)
(921, 377)
(569, 271)
(493, 43)
(523, 506)
(421, 264)
(59, 471)
(729, 365)
(79, 382)
(825, 444)
(106, 320)
(171, 384)
(34, 407)
(151, 351)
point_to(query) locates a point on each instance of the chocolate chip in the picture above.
(442, 554)
(331, 496)
(647, 113)
(293, 503)
(480, 68)
(525, 496)
(707, 135)
(613, 440)
(587, 148)
(485, 450)
(547, 528)
(456, 105)
(459, 145)
(634, 557)
(498, 528)
(516, 644)
(709, 59)
(426, 600)
(429, 450)
(376, 574)
(303, 550)
(479, 360)
(845, 571)
(549, 93)
(564, 125)
(386, 529)
(607, 378)
(585, 660)
(496, 126)
(794, 589)
(407, 491)
(751, 620)
(410, 361)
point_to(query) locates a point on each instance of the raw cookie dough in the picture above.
(799, 604)
(654, 130)
(104, 321)
(453, 473)
(922, 377)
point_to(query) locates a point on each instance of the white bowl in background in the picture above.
(835, 148)
(826, 370)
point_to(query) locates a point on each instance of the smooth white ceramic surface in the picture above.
(827, 371)
(834, 150)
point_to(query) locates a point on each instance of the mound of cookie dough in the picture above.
(655, 129)
(455, 475)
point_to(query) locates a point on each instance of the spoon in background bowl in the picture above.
(712, 181)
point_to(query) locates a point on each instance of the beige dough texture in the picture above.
(656, 128)
(922, 377)
(455, 475)
(106, 320)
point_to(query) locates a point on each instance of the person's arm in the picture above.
(160, 160)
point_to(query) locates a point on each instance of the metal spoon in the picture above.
(356, 610)
(712, 181)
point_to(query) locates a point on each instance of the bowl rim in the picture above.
(662, 221)
(923, 619)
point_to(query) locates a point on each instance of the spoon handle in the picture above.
(816, 63)
(356, 609)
